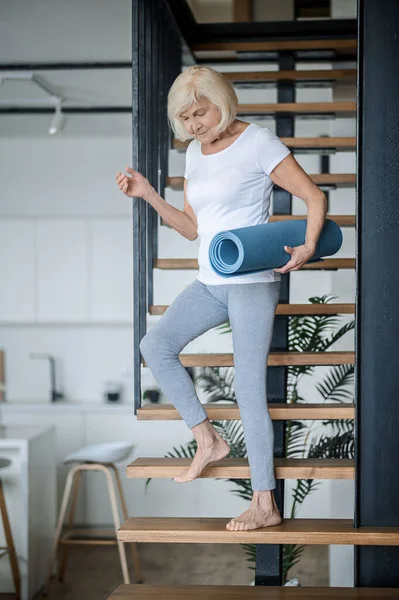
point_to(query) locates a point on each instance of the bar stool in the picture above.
(10, 548)
(97, 457)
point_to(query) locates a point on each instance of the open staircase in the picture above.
(291, 531)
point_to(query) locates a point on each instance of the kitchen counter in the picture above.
(19, 406)
(19, 435)
(30, 490)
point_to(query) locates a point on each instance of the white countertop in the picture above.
(20, 406)
(20, 433)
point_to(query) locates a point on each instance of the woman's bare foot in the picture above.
(211, 447)
(263, 512)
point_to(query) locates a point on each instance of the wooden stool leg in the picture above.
(135, 553)
(10, 544)
(115, 515)
(64, 506)
(71, 516)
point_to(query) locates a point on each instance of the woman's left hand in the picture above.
(299, 256)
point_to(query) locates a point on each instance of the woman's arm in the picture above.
(180, 220)
(136, 185)
(289, 175)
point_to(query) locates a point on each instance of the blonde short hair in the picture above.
(198, 82)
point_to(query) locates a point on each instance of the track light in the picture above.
(58, 121)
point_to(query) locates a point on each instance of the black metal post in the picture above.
(136, 164)
(269, 557)
(152, 137)
(156, 61)
(325, 168)
(377, 317)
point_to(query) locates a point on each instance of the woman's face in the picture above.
(201, 119)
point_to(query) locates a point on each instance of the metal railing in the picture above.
(157, 52)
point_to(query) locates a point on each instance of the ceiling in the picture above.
(66, 31)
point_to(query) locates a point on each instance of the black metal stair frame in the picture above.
(160, 28)
(377, 350)
(156, 61)
(269, 557)
(280, 30)
(377, 285)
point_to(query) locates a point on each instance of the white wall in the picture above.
(273, 10)
(208, 11)
(212, 11)
(66, 253)
(344, 9)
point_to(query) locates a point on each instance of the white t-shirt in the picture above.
(231, 189)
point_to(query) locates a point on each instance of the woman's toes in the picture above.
(237, 525)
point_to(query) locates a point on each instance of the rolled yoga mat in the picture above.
(261, 247)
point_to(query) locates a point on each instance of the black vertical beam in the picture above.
(152, 133)
(142, 164)
(156, 62)
(136, 209)
(174, 56)
(377, 293)
(161, 100)
(269, 557)
(325, 168)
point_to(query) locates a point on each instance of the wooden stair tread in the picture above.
(297, 142)
(192, 263)
(286, 309)
(348, 106)
(334, 178)
(320, 142)
(291, 75)
(348, 45)
(275, 359)
(270, 108)
(176, 183)
(242, 592)
(212, 530)
(341, 220)
(230, 411)
(238, 468)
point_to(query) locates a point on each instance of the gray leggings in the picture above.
(250, 307)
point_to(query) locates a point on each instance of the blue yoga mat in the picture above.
(261, 247)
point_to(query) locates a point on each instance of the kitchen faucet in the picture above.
(54, 394)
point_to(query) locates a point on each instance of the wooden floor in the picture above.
(94, 573)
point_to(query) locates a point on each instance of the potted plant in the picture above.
(152, 395)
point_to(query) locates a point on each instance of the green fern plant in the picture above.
(312, 439)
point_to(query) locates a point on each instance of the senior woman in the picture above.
(231, 166)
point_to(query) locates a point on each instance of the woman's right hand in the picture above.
(135, 186)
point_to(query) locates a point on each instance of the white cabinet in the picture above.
(111, 270)
(62, 270)
(30, 492)
(17, 279)
(66, 270)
